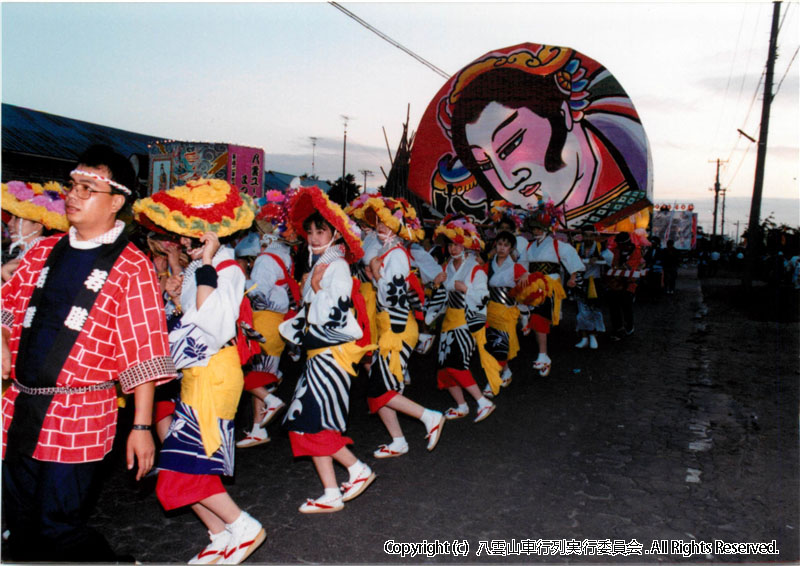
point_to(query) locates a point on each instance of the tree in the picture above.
(342, 193)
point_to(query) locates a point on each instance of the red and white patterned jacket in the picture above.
(124, 338)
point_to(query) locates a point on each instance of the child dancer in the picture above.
(464, 293)
(547, 256)
(275, 296)
(199, 444)
(396, 225)
(326, 327)
(502, 312)
(589, 320)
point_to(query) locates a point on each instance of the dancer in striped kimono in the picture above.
(199, 446)
(397, 226)
(326, 326)
(462, 295)
(502, 312)
(275, 298)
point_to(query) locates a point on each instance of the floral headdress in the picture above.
(39, 203)
(204, 205)
(503, 209)
(309, 200)
(272, 218)
(396, 213)
(358, 203)
(459, 230)
(545, 216)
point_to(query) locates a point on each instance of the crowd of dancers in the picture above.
(219, 289)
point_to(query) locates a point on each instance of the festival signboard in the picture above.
(677, 224)
(528, 122)
(245, 169)
(176, 162)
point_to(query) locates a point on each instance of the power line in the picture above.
(789, 66)
(385, 37)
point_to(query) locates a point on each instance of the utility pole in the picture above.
(754, 228)
(716, 199)
(344, 150)
(313, 155)
(722, 225)
(365, 172)
(737, 233)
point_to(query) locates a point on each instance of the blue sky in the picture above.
(274, 74)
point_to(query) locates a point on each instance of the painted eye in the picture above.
(509, 147)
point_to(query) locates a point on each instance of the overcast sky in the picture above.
(272, 75)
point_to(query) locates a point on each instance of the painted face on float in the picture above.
(509, 145)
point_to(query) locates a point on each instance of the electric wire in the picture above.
(786, 72)
(385, 37)
(730, 75)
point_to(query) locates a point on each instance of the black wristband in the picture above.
(142, 427)
(206, 275)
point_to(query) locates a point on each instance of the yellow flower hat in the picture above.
(39, 203)
(460, 231)
(203, 205)
(396, 213)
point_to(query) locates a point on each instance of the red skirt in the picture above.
(449, 377)
(323, 443)
(377, 403)
(176, 489)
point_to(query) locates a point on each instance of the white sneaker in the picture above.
(583, 343)
(255, 437)
(592, 342)
(247, 534)
(215, 551)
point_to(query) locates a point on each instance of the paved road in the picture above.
(685, 431)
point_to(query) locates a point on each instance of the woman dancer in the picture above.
(463, 292)
(396, 225)
(502, 312)
(326, 327)
(199, 444)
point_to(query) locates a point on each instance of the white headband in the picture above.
(97, 177)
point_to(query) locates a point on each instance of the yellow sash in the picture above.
(591, 291)
(371, 300)
(390, 344)
(489, 364)
(346, 355)
(558, 294)
(213, 392)
(453, 318)
(504, 318)
(266, 323)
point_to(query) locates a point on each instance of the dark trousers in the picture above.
(620, 306)
(670, 277)
(45, 507)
